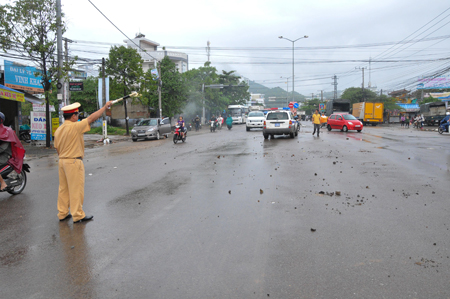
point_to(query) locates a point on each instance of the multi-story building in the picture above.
(149, 51)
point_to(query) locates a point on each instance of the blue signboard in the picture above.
(296, 105)
(22, 77)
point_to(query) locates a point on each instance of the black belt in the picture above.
(79, 158)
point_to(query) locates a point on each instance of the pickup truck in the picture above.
(433, 112)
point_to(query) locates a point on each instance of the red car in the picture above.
(344, 122)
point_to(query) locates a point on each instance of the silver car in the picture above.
(280, 122)
(151, 128)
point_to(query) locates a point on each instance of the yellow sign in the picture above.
(12, 95)
(55, 125)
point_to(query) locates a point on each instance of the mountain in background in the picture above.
(281, 93)
(274, 92)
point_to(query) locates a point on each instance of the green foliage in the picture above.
(236, 95)
(111, 131)
(216, 99)
(88, 97)
(429, 100)
(124, 65)
(310, 106)
(356, 94)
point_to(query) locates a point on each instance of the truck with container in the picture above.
(433, 112)
(368, 113)
(338, 105)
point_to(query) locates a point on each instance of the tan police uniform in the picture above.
(69, 142)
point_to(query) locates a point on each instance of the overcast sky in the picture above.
(246, 31)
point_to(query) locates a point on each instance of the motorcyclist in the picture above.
(229, 121)
(446, 121)
(11, 149)
(182, 126)
(197, 123)
(219, 121)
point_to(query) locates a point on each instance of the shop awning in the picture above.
(410, 107)
(19, 96)
(32, 99)
(7, 93)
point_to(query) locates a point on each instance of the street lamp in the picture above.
(292, 41)
(287, 89)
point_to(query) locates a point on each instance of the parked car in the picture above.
(151, 128)
(280, 122)
(344, 122)
(255, 119)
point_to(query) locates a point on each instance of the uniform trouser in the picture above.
(71, 188)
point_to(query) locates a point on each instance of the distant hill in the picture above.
(274, 92)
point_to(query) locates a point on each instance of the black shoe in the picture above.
(86, 218)
(67, 217)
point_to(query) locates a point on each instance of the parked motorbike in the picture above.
(442, 129)
(24, 133)
(189, 127)
(177, 136)
(16, 181)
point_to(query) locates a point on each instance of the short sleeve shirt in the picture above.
(316, 118)
(69, 140)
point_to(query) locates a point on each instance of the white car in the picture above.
(255, 119)
(280, 122)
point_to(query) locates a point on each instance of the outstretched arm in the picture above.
(94, 116)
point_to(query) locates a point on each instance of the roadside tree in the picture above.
(124, 65)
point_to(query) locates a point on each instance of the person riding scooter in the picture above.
(445, 122)
(229, 122)
(11, 150)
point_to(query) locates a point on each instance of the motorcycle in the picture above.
(24, 133)
(189, 127)
(442, 129)
(16, 181)
(177, 136)
(213, 126)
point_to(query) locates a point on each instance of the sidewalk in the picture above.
(37, 149)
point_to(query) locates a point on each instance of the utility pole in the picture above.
(335, 86)
(66, 94)
(321, 95)
(60, 67)
(363, 96)
(203, 96)
(312, 96)
(104, 125)
(208, 50)
(159, 91)
(103, 88)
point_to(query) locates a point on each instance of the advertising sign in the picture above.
(38, 127)
(100, 91)
(155, 74)
(9, 94)
(22, 77)
(75, 86)
(55, 125)
(433, 83)
(41, 107)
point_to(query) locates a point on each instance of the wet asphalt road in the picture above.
(231, 215)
